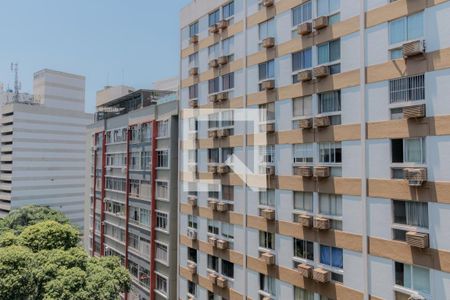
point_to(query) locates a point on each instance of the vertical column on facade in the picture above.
(153, 209)
(94, 205)
(127, 198)
(102, 206)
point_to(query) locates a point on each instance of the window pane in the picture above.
(322, 7)
(413, 150)
(415, 26)
(335, 50)
(421, 280)
(397, 31)
(323, 53)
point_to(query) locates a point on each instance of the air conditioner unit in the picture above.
(414, 111)
(222, 60)
(192, 201)
(222, 282)
(321, 172)
(416, 297)
(212, 169)
(212, 133)
(212, 204)
(268, 42)
(193, 103)
(193, 71)
(222, 244)
(212, 241)
(268, 214)
(268, 128)
(223, 24)
(305, 75)
(304, 171)
(267, 258)
(321, 223)
(192, 268)
(415, 176)
(213, 29)
(321, 275)
(212, 98)
(223, 169)
(305, 270)
(214, 63)
(221, 133)
(413, 48)
(417, 239)
(269, 170)
(193, 39)
(268, 85)
(304, 28)
(212, 278)
(222, 96)
(192, 234)
(305, 123)
(222, 207)
(321, 71)
(320, 122)
(320, 22)
(267, 3)
(305, 220)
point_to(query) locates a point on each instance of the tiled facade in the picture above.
(134, 164)
(352, 140)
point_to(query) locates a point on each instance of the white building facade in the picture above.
(43, 146)
(346, 194)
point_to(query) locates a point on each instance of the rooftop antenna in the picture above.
(17, 84)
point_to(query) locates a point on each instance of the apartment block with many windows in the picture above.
(134, 166)
(314, 139)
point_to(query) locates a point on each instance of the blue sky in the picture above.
(134, 42)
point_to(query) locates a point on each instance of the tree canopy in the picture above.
(40, 259)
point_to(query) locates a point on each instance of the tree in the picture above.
(49, 235)
(8, 238)
(19, 218)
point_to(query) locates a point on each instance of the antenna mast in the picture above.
(17, 85)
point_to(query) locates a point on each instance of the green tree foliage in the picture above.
(40, 260)
(49, 235)
(19, 218)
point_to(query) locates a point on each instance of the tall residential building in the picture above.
(315, 141)
(133, 163)
(43, 146)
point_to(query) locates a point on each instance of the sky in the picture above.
(110, 42)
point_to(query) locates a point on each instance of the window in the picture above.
(301, 13)
(146, 132)
(267, 112)
(193, 29)
(267, 154)
(227, 46)
(304, 249)
(267, 240)
(406, 89)
(162, 158)
(144, 216)
(302, 106)
(227, 268)
(228, 10)
(303, 201)
(408, 150)
(330, 52)
(192, 222)
(267, 29)
(406, 28)
(411, 213)
(329, 8)
(193, 91)
(214, 85)
(134, 187)
(267, 198)
(213, 263)
(413, 277)
(192, 254)
(267, 70)
(133, 240)
(162, 190)
(228, 81)
(228, 192)
(213, 155)
(330, 153)
(227, 119)
(192, 288)
(302, 294)
(144, 276)
(214, 51)
(163, 128)
(161, 252)
(330, 204)
(213, 226)
(228, 230)
(161, 284)
(330, 102)
(193, 60)
(303, 153)
(193, 124)
(162, 220)
(214, 18)
(145, 160)
(301, 60)
(226, 153)
(331, 256)
(267, 284)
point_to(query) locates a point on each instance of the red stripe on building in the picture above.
(95, 194)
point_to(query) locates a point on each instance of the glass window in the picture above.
(213, 226)
(304, 249)
(267, 29)
(162, 190)
(330, 204)
(214, 51)
(406, 28)
(228, 81)
(327, 7)
(192, 221)
(214, 17)
(163, 128)
(214, 85)
(267, 70)
(228, 230)
(228, 192)
(303, 201)
(267, 198)
(193, 29)
(228, 10)
(302, 60)
(330, 152)
(405, 89)
(267, 284)
(303, 153)
(302, 294)
(411, 213)
(193, 91)
(227, 268)
(267, 240)
(412, 277)
(213, 263)
(227, 46)
(267, 154)
(302, 106)
(331, 256)
(267, 112)
(330, 102)
(408, 150)
(301, 13)
(192, 288)
(161, 284)
(161, 220)
(161, 252)
(329, 52)
(192, 254)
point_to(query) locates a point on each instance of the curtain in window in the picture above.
(417, 214)
(414, 150)
(302, 294)
(330, 102)
(397, 31)
(330, 204)
(337, 258)
(335, 50)
(325, 255)
(323, 53)
(303, 201)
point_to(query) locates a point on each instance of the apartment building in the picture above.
(344, 193)
(133, 163)
(43, 146)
